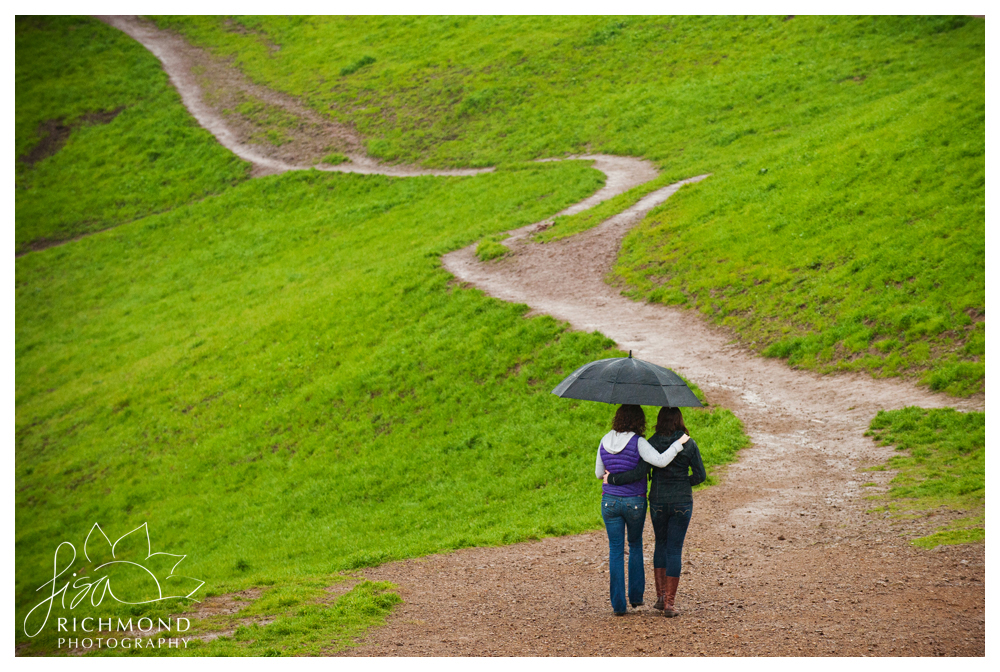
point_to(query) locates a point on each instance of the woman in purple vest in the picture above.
(623, 507)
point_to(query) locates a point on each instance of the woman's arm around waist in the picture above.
(638, 472)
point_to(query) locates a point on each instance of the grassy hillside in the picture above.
(283, 383)
(280, 379)
(844, 225)
(942, 464)
(100, 136)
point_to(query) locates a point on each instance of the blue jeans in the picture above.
(623, 514)
(670, 524)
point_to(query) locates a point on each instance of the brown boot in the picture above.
(670, 591)
(660, 574)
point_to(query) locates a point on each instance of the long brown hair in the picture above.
(669, 420)
(629, 418)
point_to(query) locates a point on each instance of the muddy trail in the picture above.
(781, 557)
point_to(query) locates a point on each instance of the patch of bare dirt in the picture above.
(211, 607)
(44, 243)
(334, 592)
(232, 603)
(54, 133)
(223, 605)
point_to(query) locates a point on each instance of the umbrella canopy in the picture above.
(624, 380)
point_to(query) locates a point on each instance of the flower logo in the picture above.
(127, 570)
(152, 576)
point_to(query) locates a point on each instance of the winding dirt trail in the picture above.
(781, 558)
(188, 67)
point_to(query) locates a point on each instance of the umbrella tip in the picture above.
(630, 354)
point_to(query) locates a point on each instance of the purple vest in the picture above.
(625, 460)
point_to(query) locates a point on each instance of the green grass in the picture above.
(281, 380)
(943, 464)
(491, 248)
(152, 156)
(963, 531)
(831, 278)
(334, 159)
(356, 65)
(844, 225)
(275, 124)
(302, 622)
(564, 226)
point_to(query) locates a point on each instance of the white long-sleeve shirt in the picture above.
(615, 442)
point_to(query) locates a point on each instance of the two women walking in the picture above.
(625, 460)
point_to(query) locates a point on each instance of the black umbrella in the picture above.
(624, 380)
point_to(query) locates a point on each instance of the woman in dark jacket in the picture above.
(670, 502)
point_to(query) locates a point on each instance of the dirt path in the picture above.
(781, 558)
